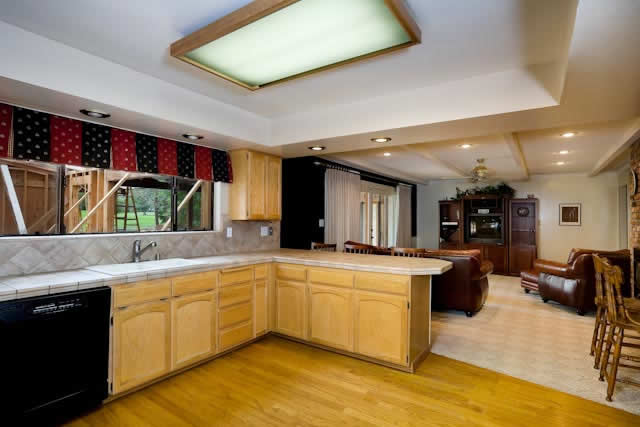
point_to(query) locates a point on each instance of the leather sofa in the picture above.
(578, 287)
(466, 286)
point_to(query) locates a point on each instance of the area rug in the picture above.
(517, 334)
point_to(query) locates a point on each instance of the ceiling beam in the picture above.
(630, 136)
(428, 155)
(513, 142)
(374, 168)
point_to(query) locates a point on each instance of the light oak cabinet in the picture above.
(260, 306)
(381, 327)
(331, 316)
(291, 308)
(194, 328)
(141, 344)
(256, 191)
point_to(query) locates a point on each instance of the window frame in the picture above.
(60, 229)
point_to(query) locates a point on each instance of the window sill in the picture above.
(109, 235)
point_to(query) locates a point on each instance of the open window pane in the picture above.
(28, 197)
(138, 202)
(194, 204)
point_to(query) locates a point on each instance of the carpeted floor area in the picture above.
(519, 335)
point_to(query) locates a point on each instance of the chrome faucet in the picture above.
(138, 251)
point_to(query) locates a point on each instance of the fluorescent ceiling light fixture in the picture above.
(466, 146)
(386, 154)
(271, 41)
(385, 139)
(563, 152)
(568, 134)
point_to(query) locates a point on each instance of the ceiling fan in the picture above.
(480, 173)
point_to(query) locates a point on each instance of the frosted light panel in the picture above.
(304, 36)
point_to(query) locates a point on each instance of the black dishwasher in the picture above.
(54, 354)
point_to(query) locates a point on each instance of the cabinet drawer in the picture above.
(235, 335)
(197, 282)
(236, 275)
(136, 293)
(328, 276)
(261, 271)
(234, 295)
(291, 272)
(382, 282)
(236, 314)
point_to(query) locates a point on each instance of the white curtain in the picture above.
(403, 235)
(341, 207)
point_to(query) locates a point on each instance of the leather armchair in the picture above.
(579, 267)
(466, 286)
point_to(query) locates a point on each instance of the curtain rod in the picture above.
(332, 165)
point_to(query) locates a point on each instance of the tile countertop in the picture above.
(108, 275)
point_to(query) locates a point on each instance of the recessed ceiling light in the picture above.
(271, 41)
(317, 148)
(192, 136)
(466, 146)
(563, 152)
(381, 139)
(386, 154)
(560, 163)
(568, 134)
(95, 114)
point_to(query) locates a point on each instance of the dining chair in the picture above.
(408, 252)
(358, 248)
(620, 320)
(324, 247)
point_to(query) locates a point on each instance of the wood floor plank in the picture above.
(276, 382)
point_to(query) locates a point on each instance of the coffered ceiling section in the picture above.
(477, 58)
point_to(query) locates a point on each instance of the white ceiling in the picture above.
(488, 71)
(461, 39)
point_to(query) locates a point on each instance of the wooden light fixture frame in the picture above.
(259, 9)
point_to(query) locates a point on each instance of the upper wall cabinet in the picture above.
(256, 191)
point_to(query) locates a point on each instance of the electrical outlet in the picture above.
(229, 232)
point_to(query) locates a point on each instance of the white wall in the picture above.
(598, 195)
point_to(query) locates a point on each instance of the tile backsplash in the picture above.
(28, 255)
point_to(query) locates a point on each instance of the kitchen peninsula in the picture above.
(169, 315)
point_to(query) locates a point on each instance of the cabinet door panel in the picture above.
(142, 344)
(498, 256)
(381, 327)
(290, 308)
(257, 185)
(260, 318)
(194, 328)
(274, 186)
(235, 335)
(331, 314)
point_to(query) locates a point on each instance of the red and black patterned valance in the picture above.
(32, 135)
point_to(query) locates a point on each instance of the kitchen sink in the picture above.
(174, 264)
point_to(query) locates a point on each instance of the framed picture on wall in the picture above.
(570, 214)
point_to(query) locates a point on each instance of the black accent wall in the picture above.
(303, 200)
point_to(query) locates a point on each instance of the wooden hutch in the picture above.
(503, 229)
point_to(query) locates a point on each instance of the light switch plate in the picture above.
(264, 231)
(229, 232)
(321, 223)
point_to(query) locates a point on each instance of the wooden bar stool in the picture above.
(601, 323)
(620, 320)
(407, 252)
(324, 247)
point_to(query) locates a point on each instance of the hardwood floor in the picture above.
(279, 382)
